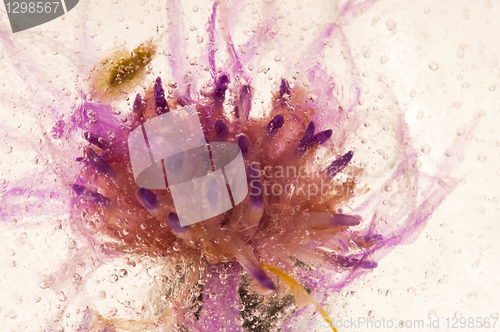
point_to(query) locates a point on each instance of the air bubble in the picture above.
(426, 149)
(122, 273)
(434, 66)
(113, 278)
(482, 156)
(61, 297)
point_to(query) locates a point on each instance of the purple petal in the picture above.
(350, 261)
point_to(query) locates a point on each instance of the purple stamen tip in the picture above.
(323, 136)
(284, 88)
(137, 104)
(96, 140)
(244, 144)
(306, 141)
(220, 128)
(79, 189)
(173, 220)
(148, 198)
(256, 198)
(263, 279)
(220, 88)
(99, 163)
(345, 220)
(339, 164)
(93, 196)
(161, 102)
(275, 124)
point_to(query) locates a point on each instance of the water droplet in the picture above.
(120, 18)
(427, 10)
(413, 93)
(434, 66)
(482, 156)
(388, 188)
(113, 278)
(199, 39)
(195, 8)
(383, 59)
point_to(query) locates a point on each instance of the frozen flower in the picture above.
(322, 207)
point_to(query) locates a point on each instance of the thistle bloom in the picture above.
(321, 209)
